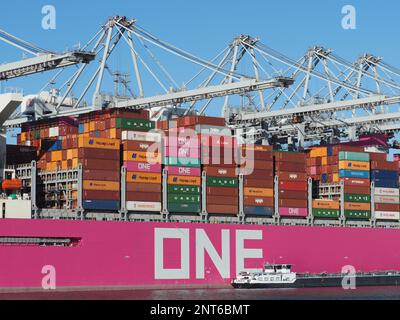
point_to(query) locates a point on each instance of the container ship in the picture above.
(119, 196)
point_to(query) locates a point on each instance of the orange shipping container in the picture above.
(326, 204)
(143, 177)
(319, 152)
(99, 143)
(354, 165)
(259, 192)
(357, 206)
(142, 156)
(182, 180)
(100, 185)
(56, 155)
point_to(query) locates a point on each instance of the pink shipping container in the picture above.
(293, 212)
(182, 141)
(142, 167)
(186, 152)
(183, 171)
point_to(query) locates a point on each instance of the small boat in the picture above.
(282, 276)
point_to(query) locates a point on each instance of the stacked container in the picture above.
(384, 174)
(257, 167)
(182, 163)
(354, 169)
(326, 208)
(100, 159)
(142, 160)
(219, 163)
(290, 167)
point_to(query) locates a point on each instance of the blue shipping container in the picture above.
(111, 205)
(386, 183)
(384, 174)
(354, 174)
(258, 211)
(52, 145)
(81, 128)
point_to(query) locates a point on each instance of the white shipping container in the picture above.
(16, 209)
(386, 192)
(387, 199)
(141, 136)
(387, 215)
(54, 132)
(143, 206)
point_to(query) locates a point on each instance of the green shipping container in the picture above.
(184, 198)
(354, 156)
(181, 162)
(353, 214)
(37, 134)
(184, 207)
(134, 124)
(179, 189)
(364, 198)
(222, 182)
(326, 213)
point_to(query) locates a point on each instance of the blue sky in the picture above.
(205, 27)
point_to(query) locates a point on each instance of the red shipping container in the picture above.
(222, 209)
(293, 186)
(247, 155)
(376, 156)
(101, 175)
(384, 165)
(291, 176)
(220, 172)
(92, 153)
(97, 164)
(143, 187)
(356, 182)
(289, 194)
(357, 190)
(292, 203)
(144, 196)
(258, 164)
(387, 207)
(290, 157)
(290, 166)
(140, 146)
(253, 183)
(336, 149)
(101, 195)
(222, 191)
(259, 201)
(258, 174)
(221, 200)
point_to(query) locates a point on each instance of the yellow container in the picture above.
(64, 165)
(319, 152)
(56, 156)
(51, 166)
(324, 161)
(143, 177)
(113, 133)
(72, 153)
(335, 177)
(183, 180)
(142, 156)
(86, 128)
(92, 126)
(326, 204)
(75, 163)
(357, 206)
(100, 185)
(258, 192)
(354, 165)
(99, 143)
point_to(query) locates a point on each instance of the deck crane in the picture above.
(42, 60)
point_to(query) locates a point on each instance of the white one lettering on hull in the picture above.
(203, 244)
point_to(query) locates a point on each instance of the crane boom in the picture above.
(43, 62)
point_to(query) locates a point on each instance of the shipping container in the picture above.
(143, 187)
(98, 143)
(387, 199)
(222, 209)
(100, 185)
(386, 192)
(387, 207)
(142, 166)
(357, 206)
(293, 186)
(293, 203)
(223, 191)
(181, 189)
(289, 194)
(259, 211)
(141, 136)
(98, 164)
(325, 213)
(222, 182)
(220, 172)
(331, 205)
(183, 171)
(259, 201)
(291, 176)
(354, 174)
(143, 177)
(184, 198)
(184, 180)
(140, 156)
(143, 206)
(387, 215)
(105, 175)
(109, 205)
(184, 207)
(259, 192)
(357, 190)
(183, 162)
(354, 165)
(253, 183)
(101, 195)
(363, 198)
(293, 212)
(221, 200)
(98, 153)
(354, 156)
(355, 214)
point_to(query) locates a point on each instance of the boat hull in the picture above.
(157, 254)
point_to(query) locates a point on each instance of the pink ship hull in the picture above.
(134, 254)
